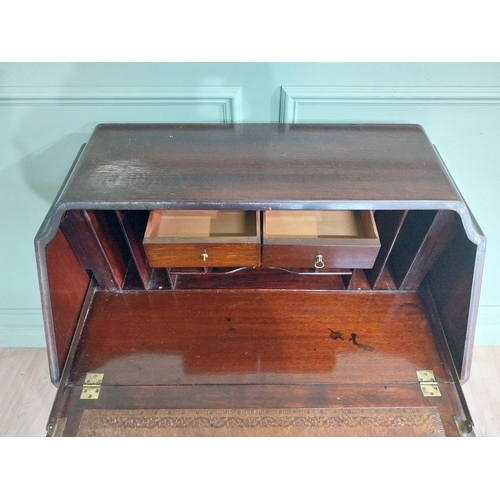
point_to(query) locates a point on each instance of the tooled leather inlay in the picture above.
(326, 422)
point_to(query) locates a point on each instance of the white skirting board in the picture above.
(21, 328)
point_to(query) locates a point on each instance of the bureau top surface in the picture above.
(230, 165)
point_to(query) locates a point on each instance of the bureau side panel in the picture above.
(67, 284)
(451, 280)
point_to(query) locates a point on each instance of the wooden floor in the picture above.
(26, 393)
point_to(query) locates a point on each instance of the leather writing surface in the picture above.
(307, 422)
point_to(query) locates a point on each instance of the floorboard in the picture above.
(26, 393)
(482, 391)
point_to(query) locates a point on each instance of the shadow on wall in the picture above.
(28, 188)
(45, 172)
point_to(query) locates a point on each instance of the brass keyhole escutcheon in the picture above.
(318, 263)
(204, 256)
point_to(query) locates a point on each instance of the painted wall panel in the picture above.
(462, 122)
(41, 131)
(47, 110)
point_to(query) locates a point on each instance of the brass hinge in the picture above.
(59, 427)
(56, 429)
(428, 384)
(464, 426)
(92, 386)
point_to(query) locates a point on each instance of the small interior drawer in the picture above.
(191, 238)
(320, 238)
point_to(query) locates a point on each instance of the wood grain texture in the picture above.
(388, 223)
(156, 340)
(483, 390)
(190, 254)
(133, 224)
(231, 347)
(349, 256)
(259, 396)
(98, 244)
(410, 238)
(247, 163)
(440, 231)
(243, 167)
(258, 278)
(451, 281)
(255, 336)
(26, 393)
(68, 284)
(357, 280)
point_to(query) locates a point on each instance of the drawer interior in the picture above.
(114, 247)
(319, 224)
(200, 224)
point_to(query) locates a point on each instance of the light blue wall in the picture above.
(48, 110)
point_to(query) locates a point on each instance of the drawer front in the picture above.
(332, 256)
(202, 254)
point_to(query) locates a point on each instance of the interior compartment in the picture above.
(319, 224)
(191, 238)
(320, 239)
(263, 278)
(196, 225)
(416, 247)
(117, 247)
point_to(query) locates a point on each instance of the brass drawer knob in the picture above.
(318, 263)
(204, 256)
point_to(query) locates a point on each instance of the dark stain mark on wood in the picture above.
(356, 343)
(336, 335)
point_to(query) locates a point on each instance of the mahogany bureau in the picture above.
(259, 280)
